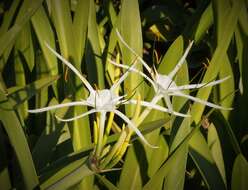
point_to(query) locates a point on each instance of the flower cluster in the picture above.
(108, 100)
(164, 85)
(101, 101)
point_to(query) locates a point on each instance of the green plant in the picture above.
(46, 151)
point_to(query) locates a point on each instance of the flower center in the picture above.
(164, 83)
(103, 100)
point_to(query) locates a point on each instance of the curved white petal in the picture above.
(134, 70)
(201, 85)
(77, 117)
(156, 107)
(180, 62)
(79, 103)
(123, 77)
(200, 101)
(86, 83)
(128, 47)
(133, 127)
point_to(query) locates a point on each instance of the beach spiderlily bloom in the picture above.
(101, 101)
(164, 85)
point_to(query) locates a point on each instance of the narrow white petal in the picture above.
(180, 62)
(77, 117)
(86, 83)
(134, 70)
(128, 47)
(79, 103)
(156, 107)
(133, 127)
(123, 77)
(201, 85)
(168, 103)
(200, 101)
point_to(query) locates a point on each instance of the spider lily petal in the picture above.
(181, 61)
(128, 47)
(133, 127)
(155, 106)
(201, 85)
(86, 83)
(200, 101)
(78, 116)
(134, 70)
(123, 77)
(79, 103)
(165, 85)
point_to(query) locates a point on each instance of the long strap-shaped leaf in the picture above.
(8, 38)
(156, 179)
(216, 62)
(19, 143)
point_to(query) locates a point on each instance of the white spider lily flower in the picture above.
(101, 101)
(165, 85)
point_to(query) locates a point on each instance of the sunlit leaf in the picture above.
(240, 173)
(19, 143)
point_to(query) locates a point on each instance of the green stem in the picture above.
(100, 134)
(109, 125)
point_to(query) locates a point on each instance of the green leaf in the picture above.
(94, 59)
(24, 45)
(141, 158)
(240, 173)
(131, 172)
(9, 37)
(176, 176)
(42, 71)
(220, 122)
(226, 89)
(110, 68)
(204, 24)
(80, 130)
(20, 81)
(106, 182)
(172, 56)
(19, 143)
(47, 141)
(221, 9)
(243, 18)
(5, 25)
(44, 33)
(5, 179)
(201, 155)
(5, 182)
(111, 12)
(8, 17)
(68, 176)
(80, 25)
(215, 148)
(61, 17)
(216, 62)
(81, 136)
(158, 156)
(240, 116)
(18, 95)
(156, 180)
(130, 16)
(180, 130)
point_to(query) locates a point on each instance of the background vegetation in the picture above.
(206, 151)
